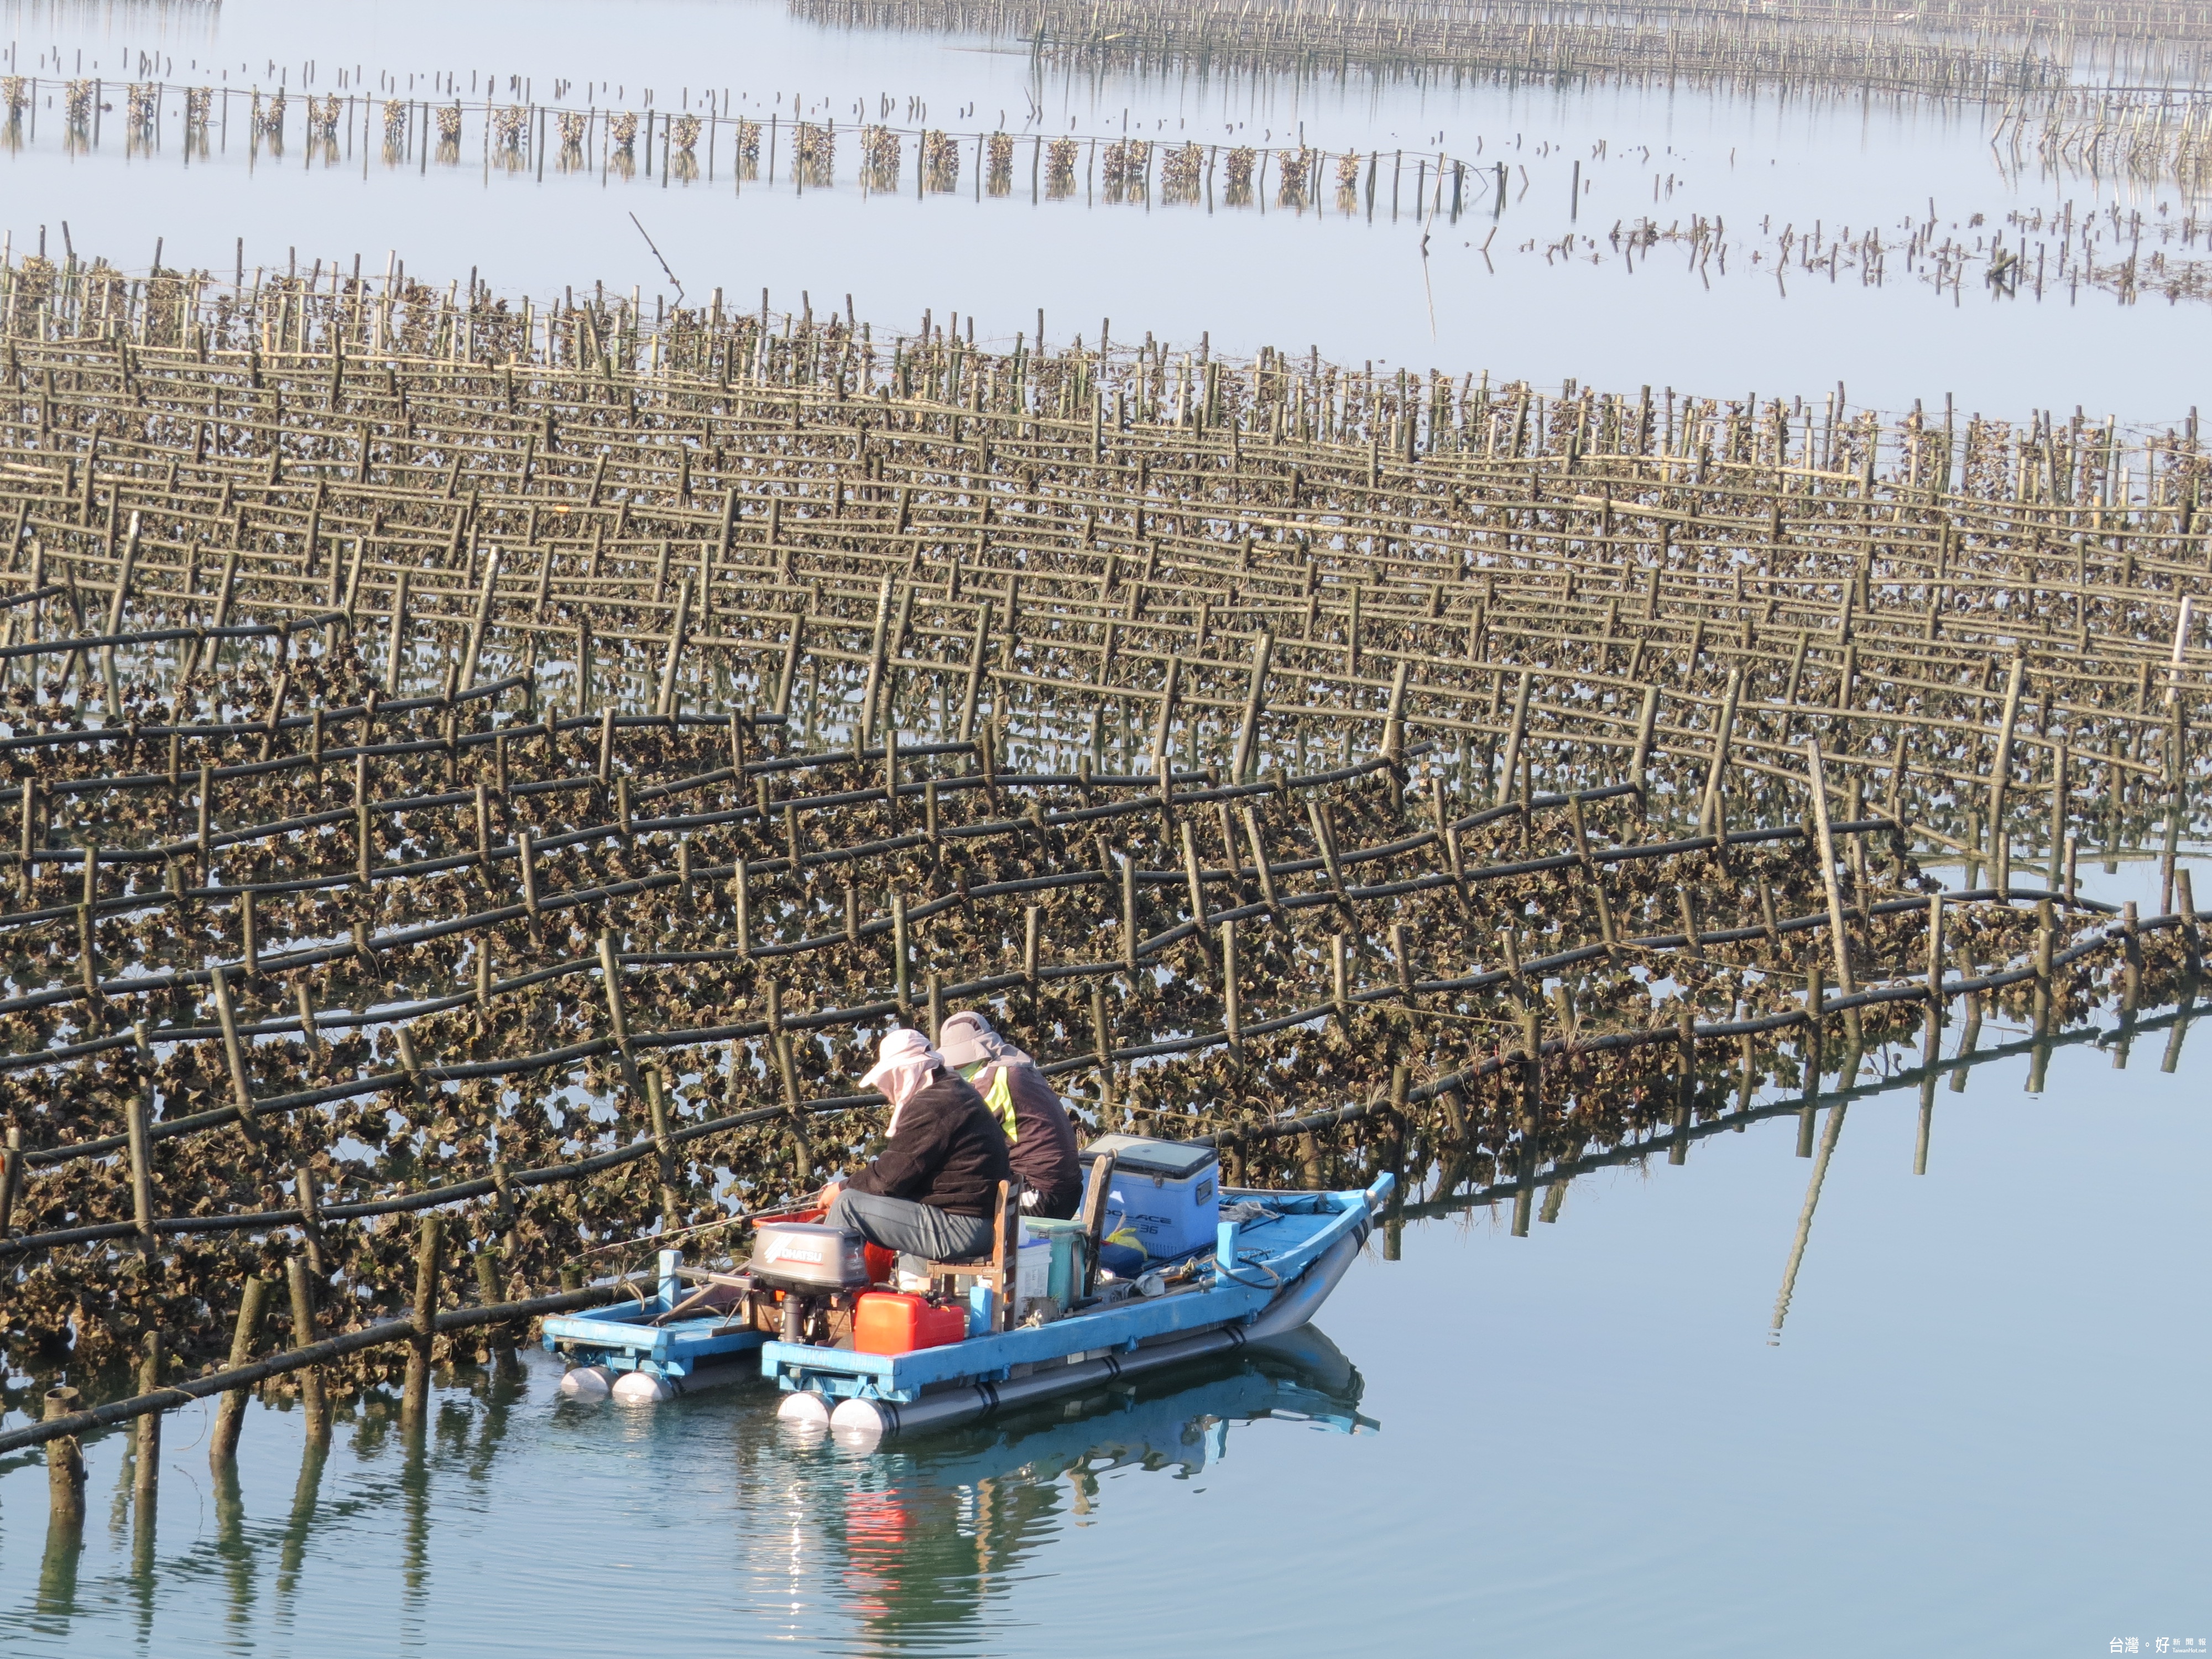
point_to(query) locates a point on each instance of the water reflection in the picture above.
(300, 1523)
(913, 1544)
(1763, 231)
(920, 1539)
(58, 1574)
(1820, 1115)
(504, 1498)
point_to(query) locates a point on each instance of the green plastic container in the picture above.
(1066, 1240)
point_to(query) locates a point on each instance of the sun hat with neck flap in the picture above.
(904, 1060)
(966, 1039)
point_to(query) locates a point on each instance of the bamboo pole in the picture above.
(230, 1412)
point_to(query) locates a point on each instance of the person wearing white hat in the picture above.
(1040, 1136)
(934, 1187)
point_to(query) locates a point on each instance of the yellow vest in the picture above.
(1000, 1097)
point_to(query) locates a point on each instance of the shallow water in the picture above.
(1979, 1430)
(1398, 290)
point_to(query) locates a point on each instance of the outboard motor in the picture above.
(815, 1267)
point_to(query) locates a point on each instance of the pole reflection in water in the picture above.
(1805, 1216)
(511, 1508)
(313, 1456)
(414, 1526)
(908, 1544)
(57, 1596)
(507, 1384)
(467, 1433)
(144, 1511)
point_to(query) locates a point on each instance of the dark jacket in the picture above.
(1043, 1151)
(947, 1153)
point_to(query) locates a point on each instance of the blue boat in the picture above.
(684, 1336)
(1276, 1256)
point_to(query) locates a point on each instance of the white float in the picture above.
(807, 1412)
(588, 1383)
(642, 1388)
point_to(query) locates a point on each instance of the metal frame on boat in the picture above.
(651, 1349)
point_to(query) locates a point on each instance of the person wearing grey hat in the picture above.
(1040, 1136)
(934, 1189)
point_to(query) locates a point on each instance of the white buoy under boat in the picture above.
(856, 1424)
(804, 1411)
(642, 1388)
(588, 1383)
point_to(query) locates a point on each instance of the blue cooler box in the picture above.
(1167, 1192)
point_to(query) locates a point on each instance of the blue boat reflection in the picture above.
(923, 1534)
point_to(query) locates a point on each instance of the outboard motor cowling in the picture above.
(805, 1256)
(811, 1267)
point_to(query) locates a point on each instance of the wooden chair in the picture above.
(1096, 1193)
(998, 1269)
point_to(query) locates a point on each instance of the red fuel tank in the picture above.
(887, 1321)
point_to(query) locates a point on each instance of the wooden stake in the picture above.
(64, 1465)
(1505, 780)
(665, 705)
(430, 1243)
(671, 1207)
(1247, 759)
(146, 1438)
(241, 1098)
(1838, 937)
(11, 1176)
(230, 1413)
(481, 622)
(395, 662)
(1709, 807)
(1639, 765)
(139, 1108)
(2001, 780)
(302, 1285)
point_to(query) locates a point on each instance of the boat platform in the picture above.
(1277, 1256)
(653, 1348)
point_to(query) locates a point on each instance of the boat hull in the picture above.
(1265, 1278)
(1253, 1292)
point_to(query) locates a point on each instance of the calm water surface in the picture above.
(1356, 288)
(1979, 1431)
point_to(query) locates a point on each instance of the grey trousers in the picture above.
(912, 1229)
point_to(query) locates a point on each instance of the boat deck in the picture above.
(1254, 1260)
(649, 1335)
(1272, 1241)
